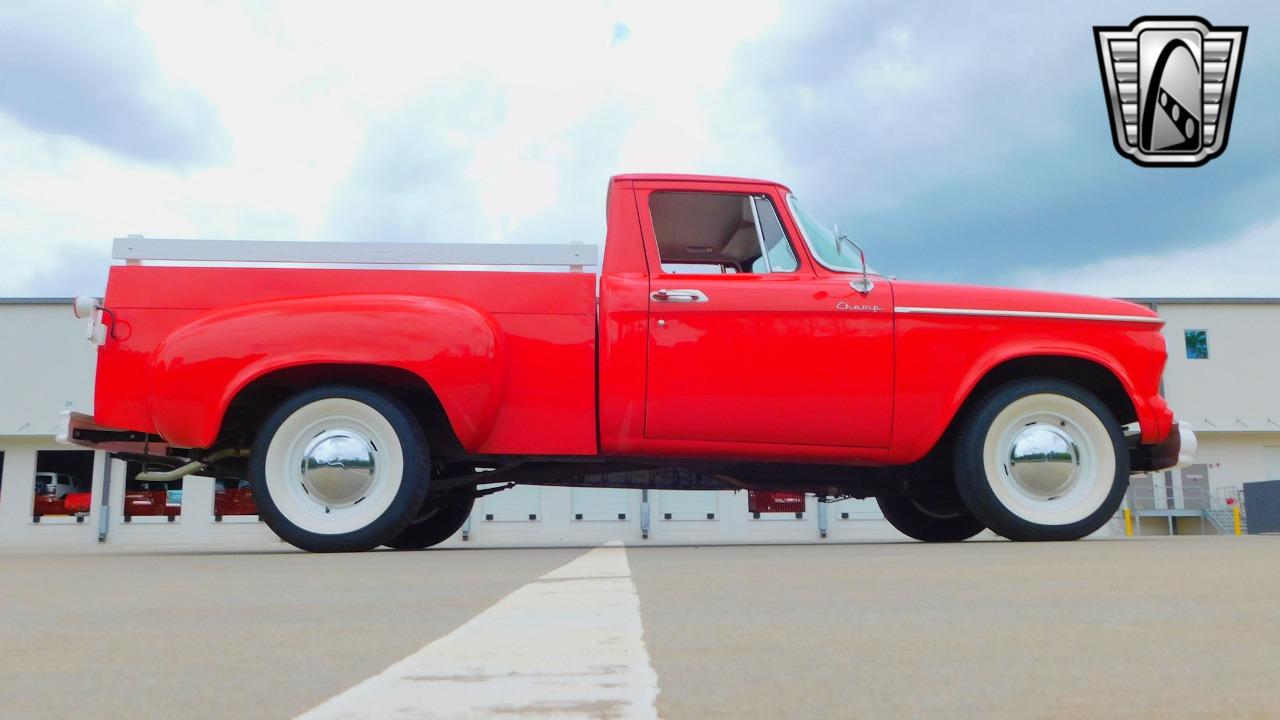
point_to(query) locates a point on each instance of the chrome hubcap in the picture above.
(1044, 461)
(338, 467)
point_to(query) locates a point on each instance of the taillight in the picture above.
(83, 306)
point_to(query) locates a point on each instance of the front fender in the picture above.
(200, 367)
(1016, 350)
(942, 359)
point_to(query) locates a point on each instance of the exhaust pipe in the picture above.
(192, 467)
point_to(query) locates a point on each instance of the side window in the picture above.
(719, 233)
(777, 250)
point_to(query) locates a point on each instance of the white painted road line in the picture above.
(567, 645)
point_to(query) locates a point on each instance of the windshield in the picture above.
(822, 241)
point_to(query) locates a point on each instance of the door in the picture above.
(1195, 487)
(747, 344)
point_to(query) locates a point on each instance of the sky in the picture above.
(957, 142)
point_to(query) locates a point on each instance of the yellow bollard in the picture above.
(1128, 523)
(1235, 513)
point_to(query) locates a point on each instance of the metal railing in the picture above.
(1217, 506)
(134, 249)
(1222, 510)
(1162, 498)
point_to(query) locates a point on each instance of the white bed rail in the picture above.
(135, 248)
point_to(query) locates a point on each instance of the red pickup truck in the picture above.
(730, 340)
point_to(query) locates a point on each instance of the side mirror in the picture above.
(862, 284)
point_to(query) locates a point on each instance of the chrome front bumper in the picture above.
(1178, 450)
(1187, 444)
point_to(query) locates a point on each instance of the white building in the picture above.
(1231, 396)
(1221, 377)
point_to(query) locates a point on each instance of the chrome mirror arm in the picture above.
(862, 284)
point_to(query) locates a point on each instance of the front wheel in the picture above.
(339, 469)
(930, 519)
(435, 525)
(1041, 459)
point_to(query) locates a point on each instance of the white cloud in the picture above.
(479, 121)
(1247, 266)
(500, 121)
(98, 80)
(882, 100)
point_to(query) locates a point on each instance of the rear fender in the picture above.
(200, 367)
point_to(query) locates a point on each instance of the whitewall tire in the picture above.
(339, 469)
(433, 526)
(1041, 459)
(931, 518)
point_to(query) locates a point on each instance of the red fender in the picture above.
(200, 367)
(921, 415)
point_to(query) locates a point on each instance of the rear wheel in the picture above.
(339, 469)
(1041, 459)
(437, 525)
(930, 519)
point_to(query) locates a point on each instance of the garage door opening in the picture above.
(150, 501)
(63, 485)
(233, 499)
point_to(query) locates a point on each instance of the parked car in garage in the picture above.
(47, 505)
(54, 485)
(731, 340)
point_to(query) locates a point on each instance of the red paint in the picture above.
(47, 505)
(235, 501)
(523, 364)
(764, 501)
(77, 502)
(177, 368)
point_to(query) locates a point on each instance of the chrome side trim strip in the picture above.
(1026, 314)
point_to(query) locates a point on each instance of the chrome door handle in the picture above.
(678, 296)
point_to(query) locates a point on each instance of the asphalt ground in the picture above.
(1154, 627)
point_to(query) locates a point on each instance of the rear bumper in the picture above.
(79, 429)
(1178, 449)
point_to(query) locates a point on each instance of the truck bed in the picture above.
(547, 323)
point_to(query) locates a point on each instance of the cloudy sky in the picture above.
(958, 141)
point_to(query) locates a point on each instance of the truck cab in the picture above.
(729, 340)
(756, 336)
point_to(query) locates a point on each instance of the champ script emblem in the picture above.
(1170, 84)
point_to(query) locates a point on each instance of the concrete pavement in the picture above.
(1176, 627)
(1170, 628)
(249, 635)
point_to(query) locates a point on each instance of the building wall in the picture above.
(1234, 390)
(1237, 458)
(1232, 398)
(46, 366)
(17, 475)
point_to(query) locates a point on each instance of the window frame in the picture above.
(764, 249)
(650, 232)
(1186, 342)
(813, 251)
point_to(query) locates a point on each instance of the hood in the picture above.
(909, 294)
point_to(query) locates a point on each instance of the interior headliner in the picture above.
(704, 227)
